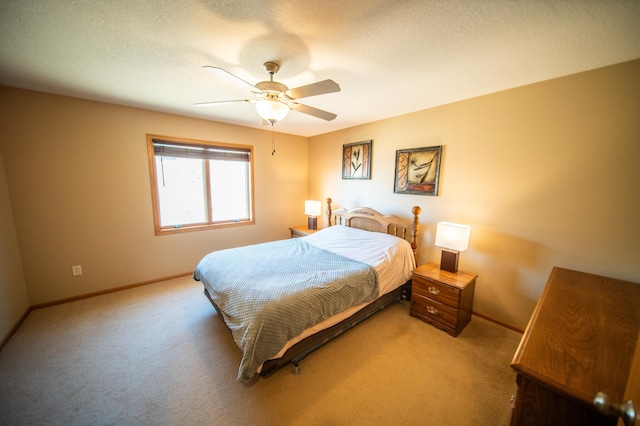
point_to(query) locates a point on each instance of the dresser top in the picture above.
(582, 335)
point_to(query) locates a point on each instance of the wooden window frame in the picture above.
(155, 196)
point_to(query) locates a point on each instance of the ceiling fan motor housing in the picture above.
(272, 86)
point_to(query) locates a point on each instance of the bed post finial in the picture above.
(416, 210)
(329, 200)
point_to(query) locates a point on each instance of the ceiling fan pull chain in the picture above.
(273, 142)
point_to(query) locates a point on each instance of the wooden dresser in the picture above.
(441, 298)
(580, 341)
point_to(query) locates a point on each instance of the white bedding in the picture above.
(391, 257)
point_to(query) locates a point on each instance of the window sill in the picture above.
(201, 227)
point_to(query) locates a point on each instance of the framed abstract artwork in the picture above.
(418, 170)
(356, 160)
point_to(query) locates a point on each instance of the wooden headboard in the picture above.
(370, 220)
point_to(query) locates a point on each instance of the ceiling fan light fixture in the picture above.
(272, 111)
(274, 100)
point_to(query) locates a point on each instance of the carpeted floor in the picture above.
(159, 355)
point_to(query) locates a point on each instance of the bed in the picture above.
(283, 299)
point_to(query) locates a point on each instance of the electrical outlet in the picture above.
(76, 270)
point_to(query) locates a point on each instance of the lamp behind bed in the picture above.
(312, 209)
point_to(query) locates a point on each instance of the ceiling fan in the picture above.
(273, 99)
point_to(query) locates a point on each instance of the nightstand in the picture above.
(302, 231)
(443, 299)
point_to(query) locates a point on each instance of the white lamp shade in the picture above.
(312, 208)
(453, 236)
(272, 111)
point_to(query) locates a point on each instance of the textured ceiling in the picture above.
(390, 57)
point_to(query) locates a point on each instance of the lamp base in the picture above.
(449, 260)
(312, 223)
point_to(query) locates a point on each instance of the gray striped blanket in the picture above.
(270, 293)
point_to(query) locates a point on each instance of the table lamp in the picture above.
(312, 209)
(453, 238)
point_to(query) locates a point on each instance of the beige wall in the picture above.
(14, 302)
(546, 174)
(78, 181)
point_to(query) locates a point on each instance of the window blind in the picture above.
(166, 149)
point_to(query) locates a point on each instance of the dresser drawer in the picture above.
(434, 290)
(432, 310)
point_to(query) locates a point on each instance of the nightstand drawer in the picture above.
(442, 298)
(434, 290)
(434, 311)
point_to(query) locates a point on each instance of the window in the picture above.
(199, 185)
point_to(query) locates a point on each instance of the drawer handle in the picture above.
(432, 310)
(434, 290)
(626, 410)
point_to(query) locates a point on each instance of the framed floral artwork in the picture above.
(356, 160)
(418, 170)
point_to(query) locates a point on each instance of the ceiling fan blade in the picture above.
(226, 74)
(306, 109)
(314, 89)
(203, 104)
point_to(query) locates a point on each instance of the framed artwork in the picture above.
(418, 170)
(356, 160)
